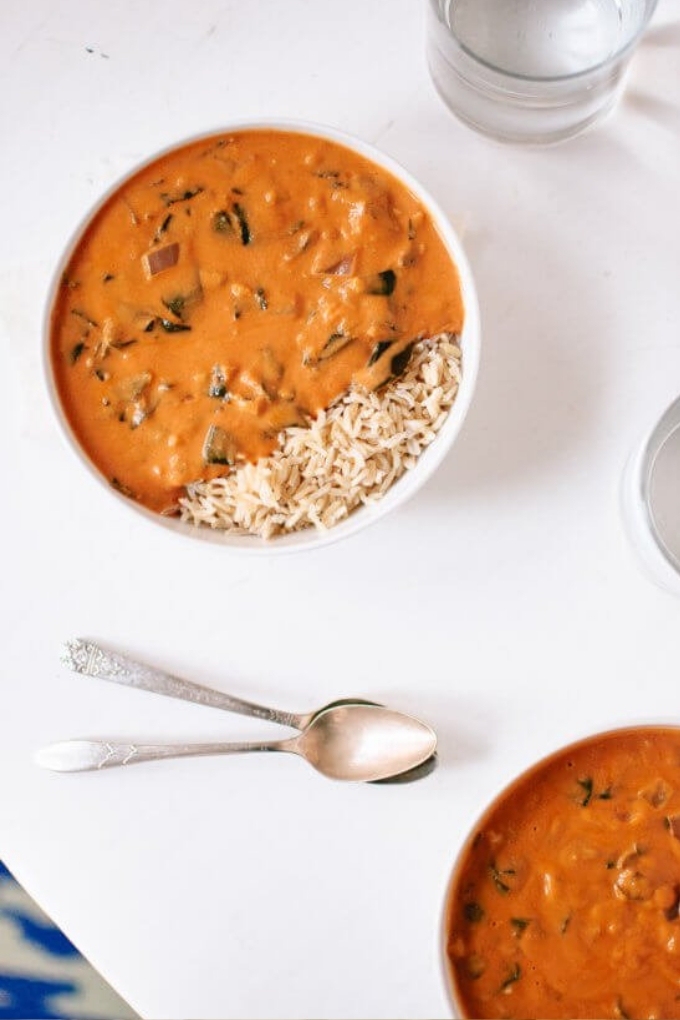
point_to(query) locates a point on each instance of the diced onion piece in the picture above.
(344, 267)
(160, 259)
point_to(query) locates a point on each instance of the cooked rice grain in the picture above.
(349, 455)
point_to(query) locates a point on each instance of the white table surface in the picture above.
(503, 603)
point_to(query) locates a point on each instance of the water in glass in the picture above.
(532, 70)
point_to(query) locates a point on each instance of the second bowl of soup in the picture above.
(565, 901)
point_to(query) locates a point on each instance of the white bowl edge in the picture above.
(428, 460)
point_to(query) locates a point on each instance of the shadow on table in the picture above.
(541, 379)
(465, 731)
(662, 36)
(541, 253)
(653, 62)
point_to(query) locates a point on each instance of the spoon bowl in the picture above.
(365, 742)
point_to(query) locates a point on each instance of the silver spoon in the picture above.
(91, 659)
(357, 742)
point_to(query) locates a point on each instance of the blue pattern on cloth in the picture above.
(49, 938)
(42, 974)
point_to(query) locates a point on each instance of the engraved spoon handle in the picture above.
(92, 755)
(92, 660)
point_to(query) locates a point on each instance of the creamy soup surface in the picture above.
(233, 288)
(567, 899)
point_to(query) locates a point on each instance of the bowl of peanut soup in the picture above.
(267, 336)
(565, 899)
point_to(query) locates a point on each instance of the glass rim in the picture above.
(534, 79)
(667, 425)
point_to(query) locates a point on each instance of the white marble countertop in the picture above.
(502, 604)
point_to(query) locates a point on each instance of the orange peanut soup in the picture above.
(231, 289)
(566, 902)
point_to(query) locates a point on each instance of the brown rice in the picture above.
(349, 455)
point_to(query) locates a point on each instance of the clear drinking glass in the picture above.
(532, 71)
(651, 500)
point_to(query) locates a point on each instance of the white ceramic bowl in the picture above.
(429, 459)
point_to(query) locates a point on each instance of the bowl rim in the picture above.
(428, 460)
(446, 972)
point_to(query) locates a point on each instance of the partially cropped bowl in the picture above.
(468, 340)
(564, 900)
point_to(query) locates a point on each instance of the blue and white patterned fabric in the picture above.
(42, 975)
